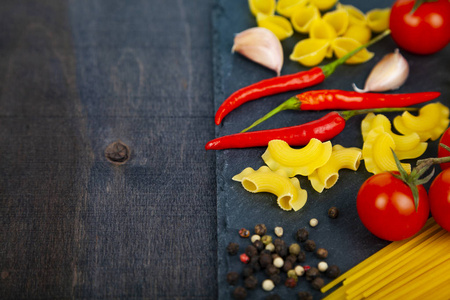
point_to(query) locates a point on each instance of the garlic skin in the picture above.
(261, 46)
(389, 73)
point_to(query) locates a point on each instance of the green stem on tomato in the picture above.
(418, 3)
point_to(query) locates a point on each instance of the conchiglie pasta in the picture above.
(279, 25)
(324, 4)
(303, 17)
(341, 158)
(320, 29)
(343, 45)
(286, 8)
(280, 156)
(356, 16)
(310, 52)
(431, 122)
(338, 19)
(266, 7)
(361, 33)
(377, 152)
(288, 191)
(378, 19)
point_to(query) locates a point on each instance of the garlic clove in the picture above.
(261, 46)
(389, 73)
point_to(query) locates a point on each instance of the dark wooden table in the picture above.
(75, 77)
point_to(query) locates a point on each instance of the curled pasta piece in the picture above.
(341, 158)
(343, 45)
(310, 52)
(378, 19)
(431, 122)
(324, 4)
(279, 25)
(356, 16)
(361, 33)
(303, 17)
(280, 156)
(287, 8)
(377, 153)
(266, 7)
(338, 19)
(288, 191)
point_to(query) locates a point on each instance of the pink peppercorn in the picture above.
(244, 258)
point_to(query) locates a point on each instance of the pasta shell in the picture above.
(322, 30)
(339, 19)
(279, 25)
(287, 8)
(356, 16)
(378, 19)
(343, 45)
(265, 7)
(303, 17)
(324, 4)
(310, 52)
(361, 33)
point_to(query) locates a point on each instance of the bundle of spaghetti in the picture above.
(408, 269)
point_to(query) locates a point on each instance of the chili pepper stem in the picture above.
(329, 68)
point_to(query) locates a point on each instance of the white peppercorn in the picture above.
(322, 266)
(255, 237)
(268, 285)
(270, 247)
(299, 270)
(278, 262)
(278, 231)
(313, 222)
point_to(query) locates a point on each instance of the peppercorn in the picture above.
(272, 270)
(268, 285)
(247, 271)
(294, 249)
(278, 231)
(251, 282)
(255, 237)
(244, 233)
(292, 274)
(273, 297)
(244, 258)
(282, 250)
(299, 270)
(302, 235)
(287, 266)
(310, 245)
(266, 239)
(317, 283)
(313, 222)
(322, 266)
(301, 257)
(333, 271)
(265, 260)
(233, 248)
(276, 279)
(312, 273)
(290, 283)
(251, 250)
(292, 258)
(254, 263)
(333, 212)
(260, 229)
(306, 267)
(259, 245)
(240, 293)
(278, 262)
(304, 296)
(322, 253)
(232, 278)
(277, 242)
(270, 247)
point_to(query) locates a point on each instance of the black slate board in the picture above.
(346, 239)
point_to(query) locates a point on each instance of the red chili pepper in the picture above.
(322, 129)
(337, 99)
(285, 83)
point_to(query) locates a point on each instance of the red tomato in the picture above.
(425, 31)
(445, 139)
(439, 196)
(385, 206)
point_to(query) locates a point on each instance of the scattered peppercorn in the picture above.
(312, 273)
(313, 222)
(301, 257)
(273, 297)
(244, 258)
(254, 263)
(292, 258)
(294, 249)
(278, 241)
(247, 271)
(322, 253)
(278, 262)
(278, 231)
(310, 245)
(276, 279)
(259, 245)
(272, 270)
(270, 247)
(299, 270)
(302, 235)
(266, 239)
(282, 250)
(244, 233)
(268, 285)
(255, 237)
(290, 282)
(260, 229)
(333, 212)
(306, 267)
(251, 250)
(233, 248)
(317, 283)
(322, 266)
(287, 266)
(251, 282)
(304, 296)
(240, 293)
(292, 274)
(265, 260)
(232, 278)
(333, 271)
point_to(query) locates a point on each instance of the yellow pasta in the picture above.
(280, 156)
(339, 19)
(356, 16)
(286, 8)
(310, 52)
(343, 45)
(341, 158)
(324, 4)
(279, 25)
(320, 29)
(378, 19)
(290, 196)
(303, 17)
(377, 152)
(431, 122)
(266, 7)
(361, 33)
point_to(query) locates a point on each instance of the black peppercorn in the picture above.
(287, 266)
(333, 212)
(310, 245)
(290, 282)
(333, 271)
(277, 242)
(265, 260)
(317, 283)
(232, 278)
(276, 278)
(302, 235)
(273, 297)
(232, 248)
(282, 250)
(251, 282)
(272, 270)
(304, 296)
(260, 229)
(312, 273)
(259, 245)
(251, 250)
(292, 258)
(240, 293)
(301, 257)
(322, 253)
(247, 271)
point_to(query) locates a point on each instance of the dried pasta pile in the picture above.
(416, 268)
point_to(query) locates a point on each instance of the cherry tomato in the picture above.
(442, 152)
(385, 206)
(439, 197)
(424, 31)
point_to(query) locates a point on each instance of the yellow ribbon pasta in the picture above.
(377, 153)
(287, 8)
(310, 52)
(341, 158)
(378, 19)
(280, 156)
(279, 25)
(290, 196)
(266, 7)
(431, 122)
(303, 17)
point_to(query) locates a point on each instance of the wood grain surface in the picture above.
(76, 76)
